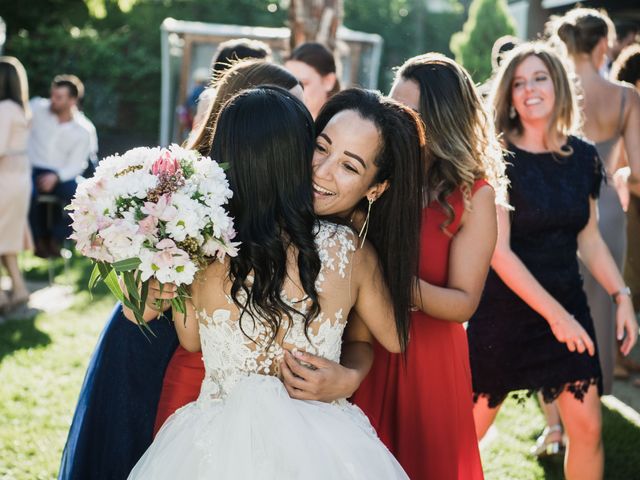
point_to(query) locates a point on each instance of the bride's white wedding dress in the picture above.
(244, 425)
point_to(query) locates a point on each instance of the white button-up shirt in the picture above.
(62, 147)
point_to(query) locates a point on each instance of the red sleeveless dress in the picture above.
(422, 406)
(181, 384)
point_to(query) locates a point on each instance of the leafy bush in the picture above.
(488, 20)
(122, 81)
(407, 28)
(117, 56)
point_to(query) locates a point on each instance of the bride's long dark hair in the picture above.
(267, 136)
(394, 227)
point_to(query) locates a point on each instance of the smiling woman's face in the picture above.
(532, 92)
(343, 164)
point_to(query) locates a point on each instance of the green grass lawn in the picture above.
(42, 365)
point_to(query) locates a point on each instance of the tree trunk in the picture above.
(315, 21)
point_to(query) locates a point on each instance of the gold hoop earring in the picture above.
(365, 226)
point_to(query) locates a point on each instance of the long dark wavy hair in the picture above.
(267, 136)
(394, 228)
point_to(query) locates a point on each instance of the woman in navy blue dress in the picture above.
(113, 422)
(533, 329)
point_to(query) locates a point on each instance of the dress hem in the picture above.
(578, 388)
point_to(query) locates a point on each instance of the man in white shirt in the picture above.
(60, 144)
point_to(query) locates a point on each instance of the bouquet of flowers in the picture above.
(152, 213)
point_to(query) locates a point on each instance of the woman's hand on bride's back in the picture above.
(309, 377)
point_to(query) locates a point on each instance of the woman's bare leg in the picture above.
(584, 459)
(483, 416)
(19, 287)
(552, 416)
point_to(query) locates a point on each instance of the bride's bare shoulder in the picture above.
(214, 274)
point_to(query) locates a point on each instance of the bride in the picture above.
(290, 288)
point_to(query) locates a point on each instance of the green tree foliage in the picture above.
(114, 45)
(488, 20)
(407, 28)
(117, 56)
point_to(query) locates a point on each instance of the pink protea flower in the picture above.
(165, 164)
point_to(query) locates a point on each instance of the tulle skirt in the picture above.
(259, 432)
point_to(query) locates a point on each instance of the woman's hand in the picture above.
(159, 298)
(626, 325)
(323, 380)
(155, 303)
(568, 330)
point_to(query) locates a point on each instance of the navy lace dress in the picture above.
(511, 346)
(113, 421)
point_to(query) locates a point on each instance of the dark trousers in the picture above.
(58, 226)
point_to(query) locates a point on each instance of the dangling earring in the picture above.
(365, 226)
(512, 112)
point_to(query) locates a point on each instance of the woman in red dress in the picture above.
(354, 193)
(421, 404)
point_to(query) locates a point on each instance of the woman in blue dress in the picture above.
(117, 404)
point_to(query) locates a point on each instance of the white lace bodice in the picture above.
(229, 355)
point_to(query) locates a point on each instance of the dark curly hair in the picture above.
(626, 68)
(267, 136)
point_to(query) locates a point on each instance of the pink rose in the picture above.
(165, 164)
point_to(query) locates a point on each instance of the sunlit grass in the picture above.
(43, 361)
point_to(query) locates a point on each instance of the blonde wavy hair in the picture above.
(461, 146)
(565, 119)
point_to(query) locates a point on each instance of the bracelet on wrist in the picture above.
(623, 292)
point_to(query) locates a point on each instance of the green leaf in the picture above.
(144, 293)
(104, 269)
(111, 281)
(127, 265)
(95, 276)
(132, 287)
(179, 305)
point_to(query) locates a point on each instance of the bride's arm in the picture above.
(186, 324)
(187, 327)
(159, 301)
